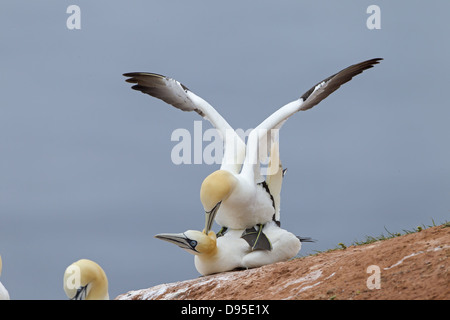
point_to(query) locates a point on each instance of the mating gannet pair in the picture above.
(237, 194)
(85, 280)
(237, 248)
(233, 250)
(4, 295)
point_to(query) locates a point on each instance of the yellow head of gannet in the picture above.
(4, 295)
(193, 241)
(216, 188)
(201, 244)
(85, 280)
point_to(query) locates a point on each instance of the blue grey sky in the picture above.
(85, 165)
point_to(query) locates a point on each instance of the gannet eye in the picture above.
(193, 243)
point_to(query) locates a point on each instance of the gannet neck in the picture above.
(208, 244)
(85, 280)
(216, 187)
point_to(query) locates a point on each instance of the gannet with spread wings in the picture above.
(236, 194)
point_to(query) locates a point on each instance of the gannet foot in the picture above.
(221, 232)
(256, 239)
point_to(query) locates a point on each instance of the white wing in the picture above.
(173, 92)
(308, 100)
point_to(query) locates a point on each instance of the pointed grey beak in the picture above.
(81, 293)
(179, 239)
(209, 217)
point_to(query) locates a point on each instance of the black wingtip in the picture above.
(136, 87)
(340, 78)
(372, 62)
(137, 74)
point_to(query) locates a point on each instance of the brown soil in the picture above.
(412, 266)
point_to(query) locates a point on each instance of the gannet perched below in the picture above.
(236, 194)
(85, 280)
(4, 295)
(231, 251)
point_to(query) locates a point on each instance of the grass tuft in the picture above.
(390, 235)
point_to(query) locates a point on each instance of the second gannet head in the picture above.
(193, 241)
(85, 280)
(216, 188)
(198, 243)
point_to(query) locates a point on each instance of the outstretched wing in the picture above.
(327, 86)
(316, 94)
(178, 95)
(308, 100)
(169, 90)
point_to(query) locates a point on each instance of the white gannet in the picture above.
(85, 280)
(236, 193)
(4, 295)
(231, 251)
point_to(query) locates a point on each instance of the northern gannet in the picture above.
(236, 193)
(85, 280)
(4, 295)
(231, 251)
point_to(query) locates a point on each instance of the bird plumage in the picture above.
(231, 251)
(249, 203)
(238, 248)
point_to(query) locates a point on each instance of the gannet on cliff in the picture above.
(85, 280)
(236, 194)
(231, 251)
(4, 295)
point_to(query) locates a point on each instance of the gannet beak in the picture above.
(210, 216)
(180, 239)
(81, 293)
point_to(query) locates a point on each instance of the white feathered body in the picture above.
(233, 252)
(249, 204)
